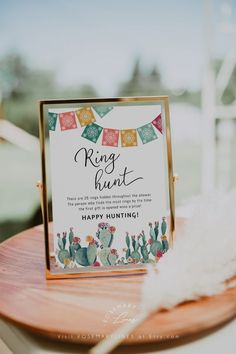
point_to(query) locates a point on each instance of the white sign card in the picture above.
(109, 184)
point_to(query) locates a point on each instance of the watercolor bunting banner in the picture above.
(110, 136)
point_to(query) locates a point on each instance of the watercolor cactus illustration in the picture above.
(105, 234)
(86, 256)
(63, 254)
(71, 253)
(144, 248)
(155, 245)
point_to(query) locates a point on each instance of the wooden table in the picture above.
(86, 310)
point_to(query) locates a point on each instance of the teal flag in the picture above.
(102, 110)
(147, 133)
(52, 121)
(92, 132)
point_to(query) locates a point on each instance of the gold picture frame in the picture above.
(51, 270)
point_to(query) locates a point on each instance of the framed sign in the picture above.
(107, 166)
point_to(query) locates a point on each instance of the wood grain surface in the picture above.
(86, 310)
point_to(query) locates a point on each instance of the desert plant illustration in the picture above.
(164, 241)
(105, 234)
(155, 245)
(86, 256)
(71, 253)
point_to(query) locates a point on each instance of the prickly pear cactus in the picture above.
(62, 255)
(104, 253)
(81, 257)
(76, 246)
(91, 254)
(155, 247)
(105, 237)
(136, 256)
(112, 259)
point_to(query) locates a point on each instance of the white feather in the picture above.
(203, 257)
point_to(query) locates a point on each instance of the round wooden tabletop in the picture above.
(86, 310)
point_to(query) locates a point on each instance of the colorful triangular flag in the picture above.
(92, 132)
(102, 110)
(52, 120)
(67, 120)
(157, 122)
(110, 137)
(85, 116)
(129, 138)
(147, 133)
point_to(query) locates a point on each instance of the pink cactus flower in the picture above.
(76, 240)
(112, 229)
(96, 264)
(150, 241)
(159, 254)
(101, 225)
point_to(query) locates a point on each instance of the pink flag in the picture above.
(67, 120)
(157, 122)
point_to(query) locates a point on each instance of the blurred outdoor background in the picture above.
(81, 48)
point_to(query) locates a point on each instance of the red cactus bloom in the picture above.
(76, 240)
(112, 229)
(159, 254)
(96, 264)
(150, 241)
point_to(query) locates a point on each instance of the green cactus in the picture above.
(165, 243)
(62, 255)
(155, 247)
(143, 248)
(127, 240)
(105, 237)
(133, 243)
(152, 232)
(128, 253)
(91, 254)
(112, 259)
(163, 226)
(156, 229)
(136, 256)
(81, 257)
(76, 246)
(60, 243)
(72, 251)
(64, 240)
(106, 234)
(144, 252)
(104, 253)
(71, 235)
